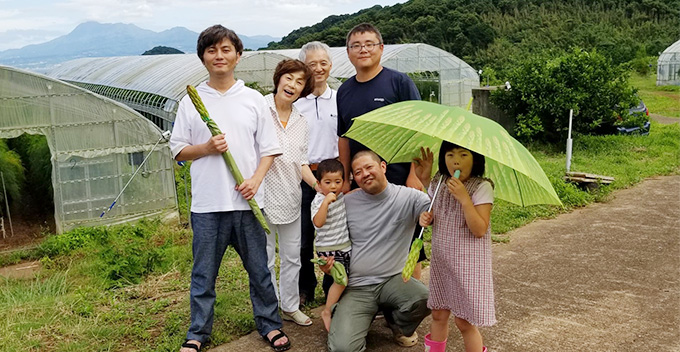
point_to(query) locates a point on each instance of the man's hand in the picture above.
(216, 145)
(346, 186)
(329, 264)
(249, 188)
(426, 218)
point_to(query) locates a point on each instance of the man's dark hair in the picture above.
(328, 166)
(478, 160)
(291, 66)
(363, 28)
(214, 35)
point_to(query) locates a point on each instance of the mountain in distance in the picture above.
(93, 39)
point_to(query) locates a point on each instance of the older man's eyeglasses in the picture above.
(356, 47)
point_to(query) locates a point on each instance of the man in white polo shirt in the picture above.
(321, 111)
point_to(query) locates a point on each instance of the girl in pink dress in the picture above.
(460, 274)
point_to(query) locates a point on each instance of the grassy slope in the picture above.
(662, 100)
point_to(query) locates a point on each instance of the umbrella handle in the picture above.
(432, 202)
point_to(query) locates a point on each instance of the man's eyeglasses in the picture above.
(356, 47)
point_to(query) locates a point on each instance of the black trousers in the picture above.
(307, 281)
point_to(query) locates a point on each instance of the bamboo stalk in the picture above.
(228, 158)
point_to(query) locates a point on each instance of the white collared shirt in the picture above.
(283, 195)
(322, 120)
(242, 115)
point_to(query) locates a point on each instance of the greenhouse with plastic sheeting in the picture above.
(452, 78)
(96, 147)
(153, 85)
(668, 66)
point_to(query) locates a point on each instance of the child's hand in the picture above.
(329, 264)
(426, 218)
(423, 164)
(330, 198)
(457, 189)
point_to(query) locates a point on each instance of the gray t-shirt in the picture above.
(381, 229)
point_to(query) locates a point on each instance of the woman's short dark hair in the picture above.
(478, 160)
(214, 35)
(329, 165)
(291, 66)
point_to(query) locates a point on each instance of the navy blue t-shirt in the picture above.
(357, 98)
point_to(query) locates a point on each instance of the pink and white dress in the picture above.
(460, 274)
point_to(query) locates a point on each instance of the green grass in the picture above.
(126, 288)
(629, 159)
(662, 100)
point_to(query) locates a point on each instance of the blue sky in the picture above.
(24, 22)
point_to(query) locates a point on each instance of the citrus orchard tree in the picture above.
(542, 92)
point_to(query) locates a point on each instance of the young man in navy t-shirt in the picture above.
(373, 86)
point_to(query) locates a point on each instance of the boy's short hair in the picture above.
(363, 28)
(214, 35)
(328, 166)
(290, 66)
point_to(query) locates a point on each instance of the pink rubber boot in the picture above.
(434, 346)
(484, 349)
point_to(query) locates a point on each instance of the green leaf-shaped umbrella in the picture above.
(397, 131)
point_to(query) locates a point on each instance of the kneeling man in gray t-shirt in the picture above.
(381, 218)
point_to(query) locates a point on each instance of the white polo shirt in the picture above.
(241, 113)
(322, 121)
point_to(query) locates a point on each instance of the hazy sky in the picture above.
(24, 22)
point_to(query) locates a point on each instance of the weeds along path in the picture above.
(604, 277)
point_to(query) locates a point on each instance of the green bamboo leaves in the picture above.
(337, 271)
(412, 259)
(228, 158)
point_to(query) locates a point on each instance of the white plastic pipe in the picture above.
(569, 141)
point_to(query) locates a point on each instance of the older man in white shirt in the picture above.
(321, 111)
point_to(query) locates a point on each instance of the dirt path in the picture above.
(605, 278)
(664, 120)
(24, 270)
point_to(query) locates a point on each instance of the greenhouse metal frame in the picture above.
(668, 66)
(154, 84)
(96, 145)
(456, 78)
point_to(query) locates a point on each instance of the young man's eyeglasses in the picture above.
(356, 47)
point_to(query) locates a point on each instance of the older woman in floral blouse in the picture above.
(283, 194)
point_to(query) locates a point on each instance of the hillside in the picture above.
(494, 34)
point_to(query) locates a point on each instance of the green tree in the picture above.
(13, 173)
(542, 92)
